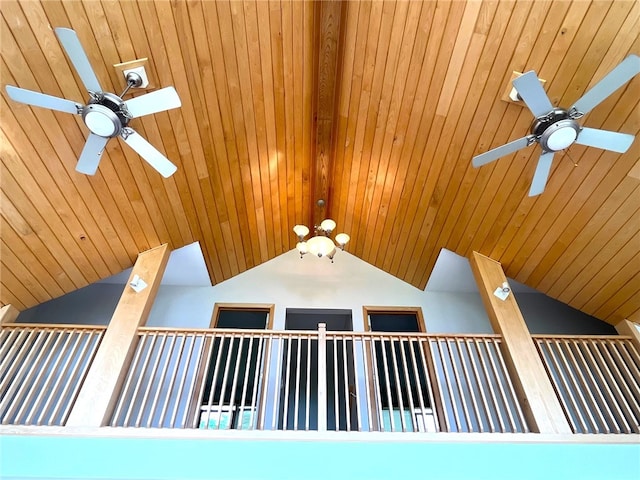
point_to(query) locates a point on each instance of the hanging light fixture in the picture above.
(321, 243)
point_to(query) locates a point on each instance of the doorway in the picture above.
(298, 404)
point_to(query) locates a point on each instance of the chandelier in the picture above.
(320, 244)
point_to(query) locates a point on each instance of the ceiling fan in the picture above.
(106, 115)
(556, 128)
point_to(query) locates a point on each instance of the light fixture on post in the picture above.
(321, 243)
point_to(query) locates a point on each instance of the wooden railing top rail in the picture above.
(52, 326)
(277, 333)
(579, 337)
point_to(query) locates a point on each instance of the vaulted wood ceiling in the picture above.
(376, 107)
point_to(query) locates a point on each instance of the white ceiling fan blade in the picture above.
(541, 174)
(71, 44)
(614, 141)
(148, 152)
(154, 102)
(38, 99)
(501, 151)
(91, 153)
(530, 90)
(612, 81)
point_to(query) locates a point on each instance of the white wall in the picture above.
(291, 282)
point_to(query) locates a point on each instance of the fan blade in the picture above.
(530, 90)
(614, 141)
(542, 174)
(149, 153)
(71, 44)
(612, 81)
(154, 102)
(38, 99)
(499, 152)
(91, 153)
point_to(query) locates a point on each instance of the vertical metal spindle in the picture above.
(619, 384)
(308, 392)
(322, 377)
(621, 421)
(458, 383)
(186, 373)
(203, 357)
(161, 377)
(377, 393)
(590, 402)
(480, 383)
(465, 372)
(276, 391)
(59, 381)
(505, 374)
(245, 379)
(347, 392)
(628, 383)
(387, 384)
(136, 389)
(51, 377)
(407, 379)
(413, 343)
(149, 383)
(396, 376)
(35, 387)
(296, 400)
(24, 370)
(445, 370)
(214, 380)
(564, 370)
(600, 404)
(172, 381)
(368, 388)
(225, 377)
(354, 342)
(80, 368)
(9, 347)
(431, 375)
(487, 381)
(285, 411)
(336, 404)
(234, 383)
(261, 367)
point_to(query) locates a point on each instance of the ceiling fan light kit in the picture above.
(106, 115)
(556, 129)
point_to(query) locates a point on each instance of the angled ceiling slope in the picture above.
(377, 107)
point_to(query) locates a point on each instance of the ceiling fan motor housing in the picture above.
(556, 130)
(104, 115)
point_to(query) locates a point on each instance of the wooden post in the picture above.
(535, 391)
(98, 395)
(629, 329)
(8, 314)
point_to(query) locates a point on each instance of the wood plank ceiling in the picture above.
(376, 107)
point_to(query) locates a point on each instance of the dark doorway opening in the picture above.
(299, 405)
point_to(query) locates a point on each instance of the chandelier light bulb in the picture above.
(328, 225)
(342, 239)
(301, 231)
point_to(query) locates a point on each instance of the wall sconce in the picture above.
(503, 291)
(137, 284)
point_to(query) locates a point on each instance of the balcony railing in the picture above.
(42, 368)
(597, 380)
(318, 380)
(218, 379)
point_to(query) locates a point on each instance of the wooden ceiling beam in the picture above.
(327, 51)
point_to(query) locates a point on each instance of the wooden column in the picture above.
(537, 397)
(8, 314)
(628, 329)
(97, 397)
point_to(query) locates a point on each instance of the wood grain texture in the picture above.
(376, 106)
(535, 391)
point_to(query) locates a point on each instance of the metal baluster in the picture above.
(322, 377)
